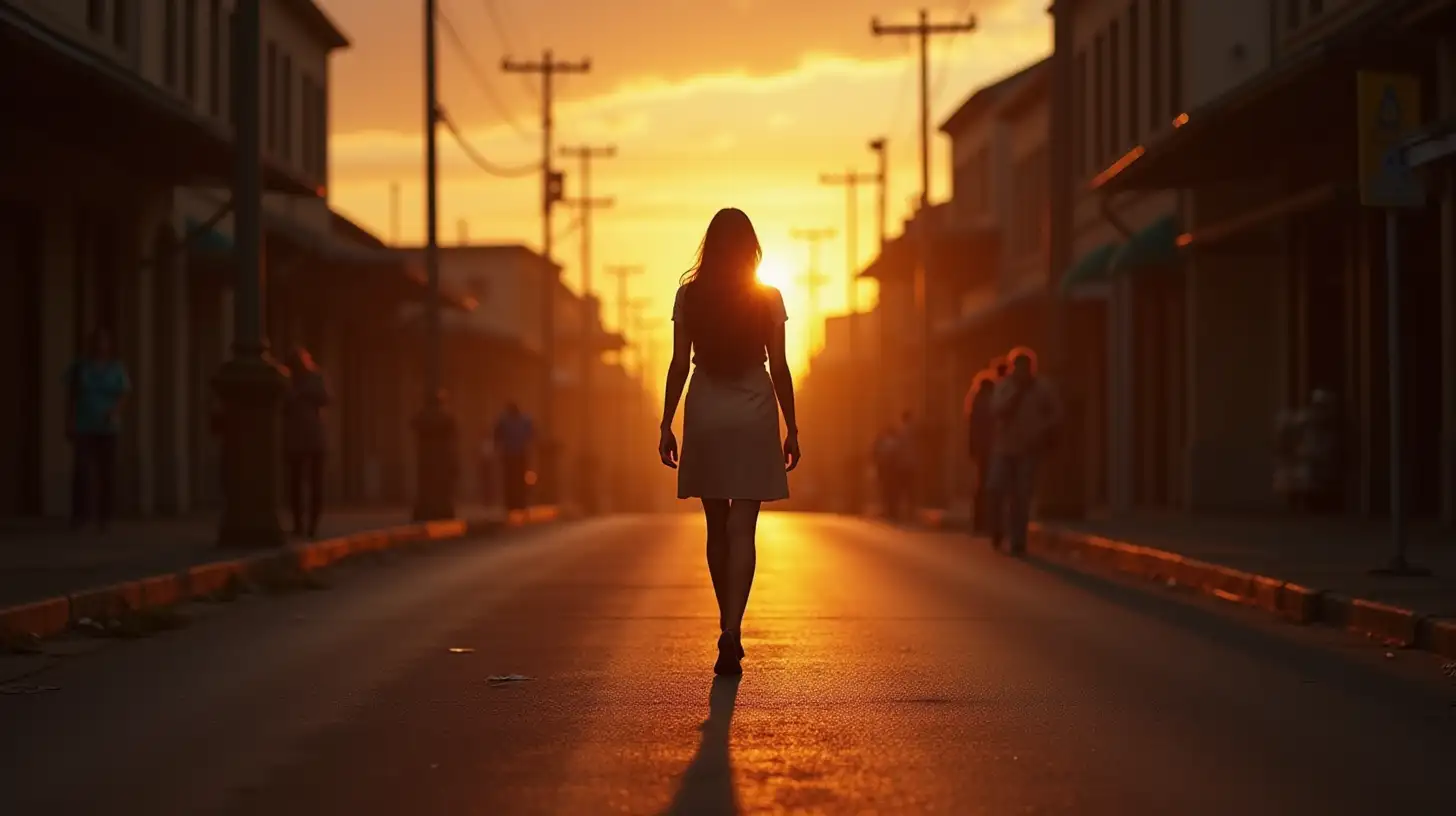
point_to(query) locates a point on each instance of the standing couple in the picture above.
(1015, 419)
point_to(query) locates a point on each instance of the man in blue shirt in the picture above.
(97, 386)
(514, 435)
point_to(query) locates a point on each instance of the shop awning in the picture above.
(1094, 267)
(1154, 245)
(1246, 132)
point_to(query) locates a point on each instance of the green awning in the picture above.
(1090, 268)
(207, 240)
(1154, 245)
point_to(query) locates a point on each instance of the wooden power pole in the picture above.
(551, 192)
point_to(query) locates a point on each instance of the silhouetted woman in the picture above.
(305, 440)
(733, 459)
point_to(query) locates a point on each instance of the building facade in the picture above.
(1269, 283)
(114, 214)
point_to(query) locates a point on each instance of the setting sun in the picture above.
(775, 272)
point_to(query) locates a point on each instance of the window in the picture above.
(1099, 84)
(285, 104)
(1292, 13)
(1079, 118)
(1156, 119)
(96, 15)
(321, 132)
(214, 57)
(169, 43)
(121, 20)
(1114, 90)
(305, 122)
(228, 32)
(270, 105)
(189, 48)
(1134, 72)
(1175, 56)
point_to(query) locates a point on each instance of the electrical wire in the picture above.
(503, 33)
(941, 71)
(567, 231)
(895, 124)
(482, 79)
(481, 161)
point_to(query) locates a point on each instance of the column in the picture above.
(145, 390)
(1446, 109)
(1120, 430)
(58, 305)
(179, 389)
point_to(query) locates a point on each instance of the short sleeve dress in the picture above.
(731, 446)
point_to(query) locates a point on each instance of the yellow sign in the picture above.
(1389, 108)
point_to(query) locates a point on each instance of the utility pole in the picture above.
(851, 181)
(589, 350)
(624, 274)
(880, 148)
(924, 30)
(250, 384)
(551, 192)
(882, 179)
(435, 427)
(394, 213)
(813, 279)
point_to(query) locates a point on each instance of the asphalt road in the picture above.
(888, 672)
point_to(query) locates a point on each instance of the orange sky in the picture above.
(710, 104)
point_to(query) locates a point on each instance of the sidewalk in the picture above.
(1334, 555)
(44, 558)
(1307, 569)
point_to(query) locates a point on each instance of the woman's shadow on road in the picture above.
(707, 784)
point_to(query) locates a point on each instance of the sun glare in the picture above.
(773, 271)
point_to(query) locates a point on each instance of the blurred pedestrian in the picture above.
(907, 466)
(1028, 417)
(887, 472)
(515, 435)
(305, 440)
(97, 387)
(981, 431)
(726, 325)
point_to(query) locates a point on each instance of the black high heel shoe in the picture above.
(730, 655)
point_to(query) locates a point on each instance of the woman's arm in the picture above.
(677, 373)
(783, 381)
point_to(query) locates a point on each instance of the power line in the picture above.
(481, 161)
(904, 91)
(480, 76)
(503, 33)
(941, 70)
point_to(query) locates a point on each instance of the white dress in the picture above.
(731, 445)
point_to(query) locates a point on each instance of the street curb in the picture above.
(52, 616)
(1300, 604)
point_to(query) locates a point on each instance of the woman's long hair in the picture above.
(723, 303)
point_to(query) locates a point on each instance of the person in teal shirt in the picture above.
(97, 386)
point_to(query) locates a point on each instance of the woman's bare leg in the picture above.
(716, 513)
(742, 559)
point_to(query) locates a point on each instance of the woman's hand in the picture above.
(667, 448)
(792, 455)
